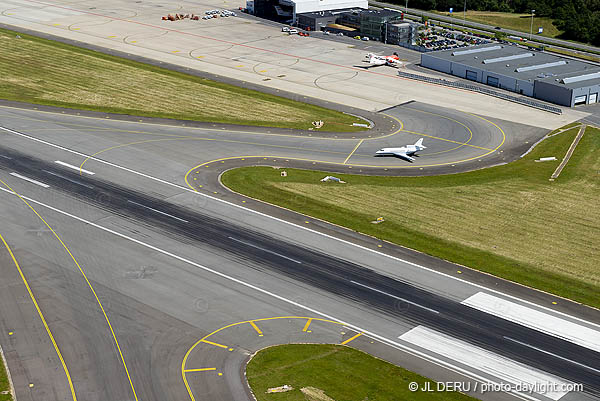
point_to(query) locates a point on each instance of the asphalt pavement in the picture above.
(146, 267)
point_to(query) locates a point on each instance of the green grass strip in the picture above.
(41, 71)
(341, 373)
(510, 220)
(4, 384)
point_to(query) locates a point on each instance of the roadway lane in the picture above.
(356, 284)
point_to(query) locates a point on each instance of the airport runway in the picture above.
(134, 273)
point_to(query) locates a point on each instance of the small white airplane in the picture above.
(404, 152)
(376, 60)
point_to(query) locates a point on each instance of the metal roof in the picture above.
(476, 50)
(540, 66)
(507, 58)
(579, 78)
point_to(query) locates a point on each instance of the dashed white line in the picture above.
(383, 339)
(364, 248)
(264, 250)
(31, 180)
(68, 179)
(158, 211)
(554, 355)
(395, 297)
(74, 167)
(6, 157)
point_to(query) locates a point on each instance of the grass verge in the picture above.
(342, 373)
(41, 71)
(4, 385)
(510, 220)
(517, 22)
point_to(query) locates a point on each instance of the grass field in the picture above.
(40, 71)
(4, 385)
(342, 373)
(518, 22)
(509, 220)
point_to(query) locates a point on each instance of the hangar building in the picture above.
(289, 9)
(533, 73)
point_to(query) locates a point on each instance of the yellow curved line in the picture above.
(62, 361)
(442, 139)
(88, 283)
(193, 138)
(189, 351)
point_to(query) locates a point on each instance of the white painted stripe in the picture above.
(6, 157)
(395, 297)
(158, 211)
(552, 354)
(74, 167)
(196, 193)
(263, 249)
(505, 369)
(535, 319)
(31, 180)
(394, 344)
(68, 179)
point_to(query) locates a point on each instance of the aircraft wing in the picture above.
(377, 61)
(404, 156)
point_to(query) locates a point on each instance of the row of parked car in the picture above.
(468, 39)
(215, 13)
(293, 31)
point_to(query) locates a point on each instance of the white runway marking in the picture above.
(550, 353)
(158, 211)
(74, 167)
(68, 179)
(507, 370)
(535, 319)
(394, 344)
(395, 297)
(31, 180)
(263, 249)
(364, 248)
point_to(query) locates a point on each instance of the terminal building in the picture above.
(534, 73)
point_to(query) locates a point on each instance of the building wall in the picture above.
(585, 91)
(403, 34)
(553, 93)
(435, 63)
(538, 89)
(314, 23)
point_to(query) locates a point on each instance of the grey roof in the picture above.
(507, 58)
(525, 64)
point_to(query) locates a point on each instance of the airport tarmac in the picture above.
(455, 141)
(257, 53)
(123, 283)
(146, 267)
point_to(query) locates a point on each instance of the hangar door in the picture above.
(472, 75)
(593, 97)
(580, 99)
(493, 81)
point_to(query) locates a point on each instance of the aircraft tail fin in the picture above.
(420, 143)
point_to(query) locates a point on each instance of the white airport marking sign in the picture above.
(514, 376)
(535, 319)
